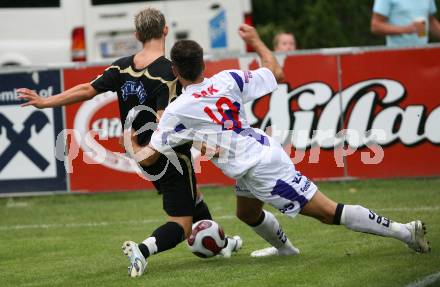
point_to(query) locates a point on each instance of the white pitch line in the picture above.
(146, 221)
(426, 281)
(90, 224)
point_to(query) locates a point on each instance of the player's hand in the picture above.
(32, 98)
(144, 155)
(249, 34)
(209, 151)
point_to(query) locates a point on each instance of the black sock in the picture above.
(201, 212)
(144, 250)
(165, 237)
(338, 214)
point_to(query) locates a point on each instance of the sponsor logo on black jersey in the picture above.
(132, 88)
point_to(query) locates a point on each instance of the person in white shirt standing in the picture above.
(210, 110)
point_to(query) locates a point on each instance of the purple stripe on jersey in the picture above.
(285, 190)
(250, 132)
(179, 127)
(165, 137)
(238, 80)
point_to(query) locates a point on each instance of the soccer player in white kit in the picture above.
(210, 110)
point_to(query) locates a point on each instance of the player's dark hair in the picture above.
(187, 58)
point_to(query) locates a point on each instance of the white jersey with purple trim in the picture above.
(213, 112)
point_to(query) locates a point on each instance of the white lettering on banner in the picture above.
(107, 128)
(410, 125)
(11, 96)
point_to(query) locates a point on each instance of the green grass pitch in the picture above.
(75, 240)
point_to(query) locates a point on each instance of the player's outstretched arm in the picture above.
(144, 155)
(268, 60)
(76, 94)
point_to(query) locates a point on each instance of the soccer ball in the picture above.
(207, 238)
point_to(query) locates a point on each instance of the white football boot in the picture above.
(272, 251)
(234, 244)
(138, 263)
(418, 242)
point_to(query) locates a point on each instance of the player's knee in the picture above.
(185, 222)
(187, 230)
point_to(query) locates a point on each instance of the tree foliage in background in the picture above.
(318, 23)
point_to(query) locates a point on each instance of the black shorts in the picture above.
(178, 191)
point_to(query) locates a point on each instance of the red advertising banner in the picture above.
(365, 115)
(90, 171)
(297, 106)
(397, 92)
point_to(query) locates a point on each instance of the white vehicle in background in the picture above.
(35, 32)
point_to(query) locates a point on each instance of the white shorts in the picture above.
(275, 181)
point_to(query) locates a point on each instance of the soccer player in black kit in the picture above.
(146, 79)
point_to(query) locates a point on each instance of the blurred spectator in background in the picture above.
(405, 22)
(284, 42)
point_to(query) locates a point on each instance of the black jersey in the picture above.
(153, 86)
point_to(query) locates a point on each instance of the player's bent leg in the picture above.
(264, 223)
(179, 202)
(361, 219)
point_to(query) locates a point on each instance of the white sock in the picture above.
(271, 231)
(358, 218)
(150, 242)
